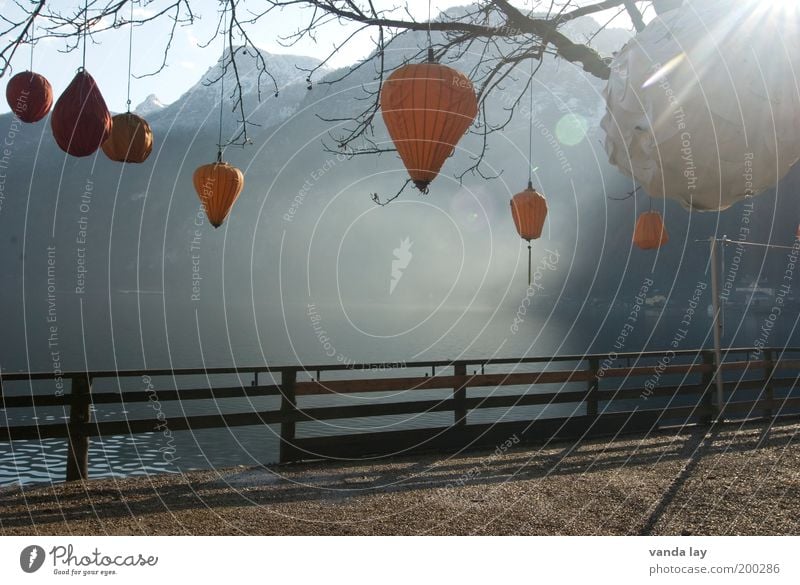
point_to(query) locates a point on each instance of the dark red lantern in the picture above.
(29, 95)
(81, 121)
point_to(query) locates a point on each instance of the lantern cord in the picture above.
(130, 57)
(222, 84)
(530, 130)
(85, 30)
(33, 29)
(430, 44)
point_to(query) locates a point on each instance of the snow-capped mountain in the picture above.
(151, 105)
(272, 86)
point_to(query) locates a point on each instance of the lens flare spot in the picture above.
(471, 209)
(571, 129)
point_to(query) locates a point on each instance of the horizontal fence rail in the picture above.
(608, 394)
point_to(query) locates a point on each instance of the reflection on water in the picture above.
(188, 339)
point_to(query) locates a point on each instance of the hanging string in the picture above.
(33, 29)
(130, 57)
(222, 83)
(430, 43)
(85, 30)
(530, 151)
(530, 130)
(530, 134)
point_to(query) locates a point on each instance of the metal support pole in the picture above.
(720, 402)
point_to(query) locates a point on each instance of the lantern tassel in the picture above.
(529, 263)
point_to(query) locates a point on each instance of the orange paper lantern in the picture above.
(427, 108)
(529, 210)
(81, 121)
(650, 231)
(29, 95)
(218, 185)
(131, 139)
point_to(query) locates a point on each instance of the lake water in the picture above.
(143, 333)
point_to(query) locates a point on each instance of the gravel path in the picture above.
(732, 480)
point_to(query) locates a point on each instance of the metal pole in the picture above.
(717, 328)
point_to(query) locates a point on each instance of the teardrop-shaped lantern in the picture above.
(29, 95)
(427, 108)
(650, 233)
(529, 211)
(218, 185)
(131, 139)
(81, 121)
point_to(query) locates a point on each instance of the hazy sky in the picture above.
(107, 56)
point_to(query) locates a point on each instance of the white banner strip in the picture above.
(400, 560)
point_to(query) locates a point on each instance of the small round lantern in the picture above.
(30, 96)
(131, 139)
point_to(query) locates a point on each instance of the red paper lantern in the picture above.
(218, 185)
(427, 108)
(81, 121)
(29, 95)
(650, 231)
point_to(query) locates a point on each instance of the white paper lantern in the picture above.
(703, 106)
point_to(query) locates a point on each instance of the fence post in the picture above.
(460, 397)
(288, 408)
(769, 371)
(592, 388)
(708, 388)
(79, 414)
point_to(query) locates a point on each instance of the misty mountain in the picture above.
(123, 256)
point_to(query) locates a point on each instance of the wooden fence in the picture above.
(608, 395)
